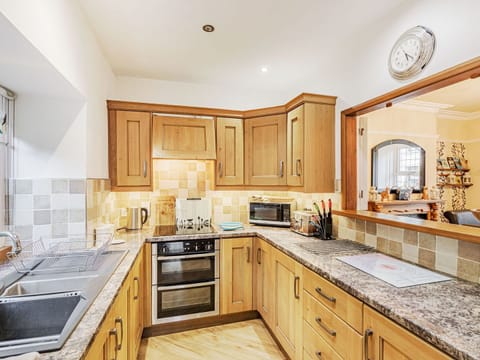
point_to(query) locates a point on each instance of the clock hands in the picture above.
(407, 55)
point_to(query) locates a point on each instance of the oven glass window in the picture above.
(265, 212)
(186, 301)
(186, 271)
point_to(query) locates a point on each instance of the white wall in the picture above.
(59, 31)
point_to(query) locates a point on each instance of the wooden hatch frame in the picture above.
(467, 70)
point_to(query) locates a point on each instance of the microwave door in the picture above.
(265, 212)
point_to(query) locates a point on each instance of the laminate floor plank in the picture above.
(238, 341)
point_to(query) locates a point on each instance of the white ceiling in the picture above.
(162, 39)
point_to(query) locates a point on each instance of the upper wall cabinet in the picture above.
(178, 137)
(229, 151)
(311, 147)
(265, 150)
(130, 150)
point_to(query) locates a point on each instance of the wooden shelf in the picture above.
(455, 185)
(454, 170)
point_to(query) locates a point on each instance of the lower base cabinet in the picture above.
(386, 340)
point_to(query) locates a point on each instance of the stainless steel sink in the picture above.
(39, 312)
(49, 286)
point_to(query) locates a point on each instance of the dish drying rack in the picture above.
(78, 253)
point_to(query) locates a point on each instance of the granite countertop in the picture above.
(445, 314)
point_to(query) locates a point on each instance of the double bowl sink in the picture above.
(39, 312)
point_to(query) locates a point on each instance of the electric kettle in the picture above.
(136, 217)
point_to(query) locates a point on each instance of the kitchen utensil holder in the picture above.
(78, 253)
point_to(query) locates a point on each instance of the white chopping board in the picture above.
(393, 271)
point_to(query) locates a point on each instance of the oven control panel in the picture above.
(184, 247)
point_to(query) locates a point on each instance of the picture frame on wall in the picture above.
(451, 163)
(458, 164)
(442, 164)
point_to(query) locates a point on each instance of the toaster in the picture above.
(301, 222)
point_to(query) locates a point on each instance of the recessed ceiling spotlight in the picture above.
(264, 69)
(208, 28)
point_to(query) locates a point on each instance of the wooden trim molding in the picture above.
(466, 70)
(454, 231)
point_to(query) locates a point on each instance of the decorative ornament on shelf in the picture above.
(411, 52)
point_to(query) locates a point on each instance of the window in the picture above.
(398, 163)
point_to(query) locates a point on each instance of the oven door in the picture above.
(185, 269)
(183, 302)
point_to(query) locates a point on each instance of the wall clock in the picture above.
(411, 52)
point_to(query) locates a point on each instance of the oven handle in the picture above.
(187, 286)
(181, 257)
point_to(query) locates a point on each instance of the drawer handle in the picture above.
(281, 168)
(318, 354)
(259, 256)
(321, 293)
(368, 333)
(297, 167)
(144, 168)
(220, 169)
(296, 287)
(115, 334)
(330, 332)
(248, 254)
(136, 281)
(119, 320)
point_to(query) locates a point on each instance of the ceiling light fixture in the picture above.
(208, 28)
(264, 69)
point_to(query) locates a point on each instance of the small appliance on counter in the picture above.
(302, 222)
(271, 210)
(136, 218)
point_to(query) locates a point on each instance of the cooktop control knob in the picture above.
(208, 246)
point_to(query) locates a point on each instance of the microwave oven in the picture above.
(271, 211)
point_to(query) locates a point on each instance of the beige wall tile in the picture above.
(395, 248)
(371, 240)
(468, 250)
(468, 270)
(410, 237)
(410, 253)
(447, 246)
(426, 258)
(371, 228)
(395, 233)
(382, 231)
(427, 241)
(382, 245)
(360, 237)
(446, 263)
(360, 225)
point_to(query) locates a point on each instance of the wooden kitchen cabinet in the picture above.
(311, 146)
(229, 151)
(387, 340)
(264, 278)
(136, 303)
(288, 304)
(265, 150)
(236, 271)
(129, 150)
(178, 137)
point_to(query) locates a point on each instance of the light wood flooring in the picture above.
(238, 341)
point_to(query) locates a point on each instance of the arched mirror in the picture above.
(398, 163)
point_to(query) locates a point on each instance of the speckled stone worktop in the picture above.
(445, 314)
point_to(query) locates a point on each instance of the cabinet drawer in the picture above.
(341, 337)
(342, 304)
(315, 347)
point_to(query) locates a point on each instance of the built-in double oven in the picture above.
(185, 279)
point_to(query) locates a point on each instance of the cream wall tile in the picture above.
(410, 253)
(447, 246)
(446, 263)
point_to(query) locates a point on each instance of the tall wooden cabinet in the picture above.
(311, 146)
(264, 278)
(229, 151)
(265, 150)
(130, 154)
(236, 271)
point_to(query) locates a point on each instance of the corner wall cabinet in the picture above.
(178, 137)
(129, 150)
(265, 150)
(229, 151)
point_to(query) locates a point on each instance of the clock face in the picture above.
(412, 51)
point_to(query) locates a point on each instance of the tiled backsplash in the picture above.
(451, 256)
(48, 208)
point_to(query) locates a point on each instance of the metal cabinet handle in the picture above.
(145, 168)
(281, 168)
(297, 167)
(119, 320)
(136, 280)
(220, 169)
(325, 296)
(248, 254)
(115, 334)
(259, 256)
(368, 333)
(320, 323)
(318, 354)
(296, 287)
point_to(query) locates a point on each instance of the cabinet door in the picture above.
(176, 137)
(264, 279)
(295, 163)
(265, 150)
(236, 289)
(229, 151)
(387, 340)
(120, 321)
(288, 304)
(130, 154)
(135, 328)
